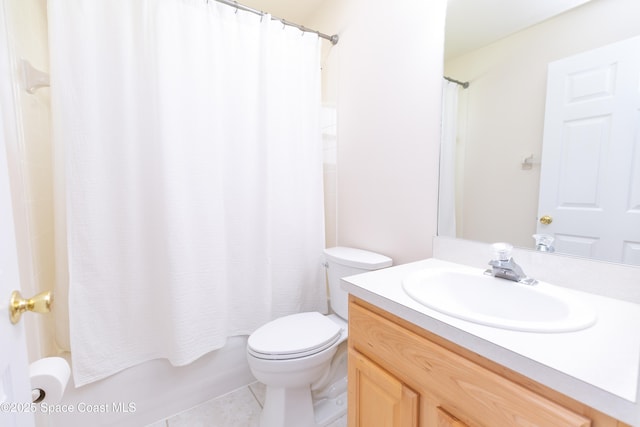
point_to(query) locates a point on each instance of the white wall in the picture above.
(384, 76)
(505, 114)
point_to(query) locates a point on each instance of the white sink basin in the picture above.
(498, 302)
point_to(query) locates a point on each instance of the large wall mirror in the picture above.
(491, 176)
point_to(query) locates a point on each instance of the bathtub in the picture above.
(151, 391)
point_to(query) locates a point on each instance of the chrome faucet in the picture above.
(544, 242)
(504, 267)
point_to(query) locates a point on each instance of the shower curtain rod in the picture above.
(333, 39)
(463, 84)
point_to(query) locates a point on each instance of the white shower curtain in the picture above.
(189, 137)
(447, 183)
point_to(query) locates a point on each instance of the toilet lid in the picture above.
(293, 336)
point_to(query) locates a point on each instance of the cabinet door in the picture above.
(481, 396)
(447, 420)
(378, 399)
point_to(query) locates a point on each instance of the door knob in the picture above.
(40, 303)
(546, 220)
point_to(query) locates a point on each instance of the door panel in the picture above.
(447, 420)
(15, 390)
(590, 173)
(376, 398)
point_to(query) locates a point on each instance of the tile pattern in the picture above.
(240, 408)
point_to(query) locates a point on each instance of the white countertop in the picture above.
(598, 366)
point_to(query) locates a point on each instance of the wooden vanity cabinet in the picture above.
(401, 375)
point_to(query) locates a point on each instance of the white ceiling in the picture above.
(470, 23)
(475, 23)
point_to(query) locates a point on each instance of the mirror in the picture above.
(500, 116)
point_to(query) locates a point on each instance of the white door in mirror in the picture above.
(590, 173)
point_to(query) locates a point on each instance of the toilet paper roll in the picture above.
(49, 378)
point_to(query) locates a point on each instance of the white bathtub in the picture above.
(151, 391)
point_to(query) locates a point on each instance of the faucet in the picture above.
(505, 267)
(544, 242)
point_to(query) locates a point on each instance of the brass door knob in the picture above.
(40, 303)
(546, 220)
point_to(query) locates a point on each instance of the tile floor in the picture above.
(240, 408)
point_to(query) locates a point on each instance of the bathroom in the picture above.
(388, 121)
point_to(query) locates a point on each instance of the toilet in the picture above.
(294, 354)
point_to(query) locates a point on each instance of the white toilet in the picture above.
(293, 352)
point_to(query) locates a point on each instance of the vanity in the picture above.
(416, 364)
(412, 365)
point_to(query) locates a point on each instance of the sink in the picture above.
(500, 303)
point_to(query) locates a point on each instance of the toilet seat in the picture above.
(293, 336)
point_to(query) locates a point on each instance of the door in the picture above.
(376, 398)
(590, 174)
(15, 390)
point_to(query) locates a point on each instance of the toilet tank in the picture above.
(342, 262)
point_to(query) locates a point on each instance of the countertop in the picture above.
(598, 366)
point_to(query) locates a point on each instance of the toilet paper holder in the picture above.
(40, 303)
(37, 395)
(49, 377)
